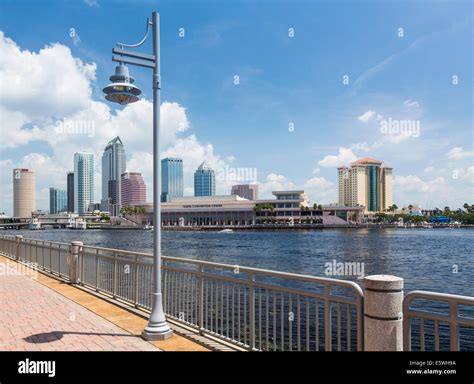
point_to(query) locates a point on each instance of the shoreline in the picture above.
(266, 227)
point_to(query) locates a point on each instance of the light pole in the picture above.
(122, 91)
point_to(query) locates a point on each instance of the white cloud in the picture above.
(414, 183)
(30, 115)
(464, 174)
(344, 157)
(367, 116)
(50, 80)
(411, 104)
(362, 147)
(429, 169)
(274, 182)
(320, 190)
(458, 153)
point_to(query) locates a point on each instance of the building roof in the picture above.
(366, 160)
(204, 167)
(288, 192)
(115, 140)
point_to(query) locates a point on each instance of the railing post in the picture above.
(251, 311)
(19, 239)
(201, 300)
(73, 260)
(383, 313)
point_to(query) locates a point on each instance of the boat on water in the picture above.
(228, 230)
(34, 224)
(148, 227)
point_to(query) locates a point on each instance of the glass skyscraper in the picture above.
(113, 165)
(204, 181)
(83, 181)
(57, 200)
(70, 191)
(171, 178)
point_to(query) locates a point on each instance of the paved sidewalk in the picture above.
(34, 317)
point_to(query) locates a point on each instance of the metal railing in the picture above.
(448, 326)
(253, 308)
(47, 256)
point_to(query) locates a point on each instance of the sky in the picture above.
(285, 91)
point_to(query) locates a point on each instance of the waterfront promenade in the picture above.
(44, 314)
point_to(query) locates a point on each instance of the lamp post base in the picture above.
(162, 332)
(157, 328)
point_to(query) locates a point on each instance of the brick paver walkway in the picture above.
(36, 318)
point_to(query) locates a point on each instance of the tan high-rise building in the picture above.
(366, 183)
(23, 192)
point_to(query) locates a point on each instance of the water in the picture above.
(427, 259)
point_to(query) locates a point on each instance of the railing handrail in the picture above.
(436, 296)
(452, 317)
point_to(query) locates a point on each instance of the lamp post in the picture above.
(122, 91)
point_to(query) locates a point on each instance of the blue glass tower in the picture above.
(373, 188)
(171, 178)
(83, 181)
(113, 165)
(57, 200)
(204, 181)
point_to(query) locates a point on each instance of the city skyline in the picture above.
(342, 99)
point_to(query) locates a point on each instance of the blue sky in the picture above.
(404, 75)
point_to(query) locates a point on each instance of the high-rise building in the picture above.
(70, 191)
(83, 181)
(171, 178)
(133, 189)
(204, 181)
(23, 192)
(57, 200)
(113, 165)
(366, 183)
(247, 191)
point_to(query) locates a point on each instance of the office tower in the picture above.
(204, 181)
(366, 183)
(70, 191)
(57, 200)
(133, 189)
(247, 191)
(23, 192)
(113, 165)
(171, 178)
(83, 181)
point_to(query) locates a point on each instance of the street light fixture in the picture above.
(122, 91)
